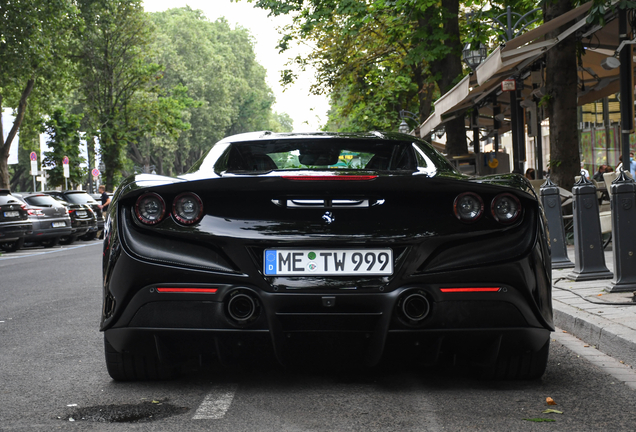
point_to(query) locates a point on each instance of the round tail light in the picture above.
(506, 208)
(150, 208)
(187, 208)
(468, 207)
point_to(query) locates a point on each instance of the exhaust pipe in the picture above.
(242, 307)
(414, 307)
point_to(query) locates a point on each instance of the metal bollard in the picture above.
(589, 258)
(623, 192)
(551, 200)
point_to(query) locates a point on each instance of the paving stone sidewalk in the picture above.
(588, 311)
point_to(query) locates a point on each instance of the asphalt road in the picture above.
(52, 377)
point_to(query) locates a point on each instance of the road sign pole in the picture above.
(34, 167)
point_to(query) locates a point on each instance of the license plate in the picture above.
(81, 212)
(58, 224)
(328, 262)
(11, 214)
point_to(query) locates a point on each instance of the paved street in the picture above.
(53, 377)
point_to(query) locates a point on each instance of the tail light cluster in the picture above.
(469, 207)
(187, 208)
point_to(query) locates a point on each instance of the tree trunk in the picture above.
(446, 71)
(560, 102)
(5, 146)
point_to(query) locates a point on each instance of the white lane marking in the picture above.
(620, 371)
(216, 403)
(24, 253)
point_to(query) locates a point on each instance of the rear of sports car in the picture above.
(392, 259)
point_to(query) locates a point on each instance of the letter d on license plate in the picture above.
(328, 262)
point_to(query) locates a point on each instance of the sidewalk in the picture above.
(608, 327)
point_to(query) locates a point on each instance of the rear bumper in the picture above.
(287, 324)
(13, 232)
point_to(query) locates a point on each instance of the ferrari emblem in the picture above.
(328, 217)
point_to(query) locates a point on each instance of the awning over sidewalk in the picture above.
(505, 61)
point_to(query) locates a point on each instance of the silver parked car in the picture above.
(50, 218)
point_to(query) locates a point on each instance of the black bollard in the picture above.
(589, 258)
(623, 192)
(551, 200)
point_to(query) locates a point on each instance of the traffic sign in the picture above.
(34, 156)
(95, 172)
(65, 160)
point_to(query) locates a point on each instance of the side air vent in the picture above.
(297, 203)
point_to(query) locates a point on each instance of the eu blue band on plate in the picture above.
(270, 262)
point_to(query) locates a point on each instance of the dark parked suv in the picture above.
(14, 222)
(81, 197)
(50, 218)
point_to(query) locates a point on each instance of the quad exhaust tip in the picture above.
(242, 307)
(414, 307)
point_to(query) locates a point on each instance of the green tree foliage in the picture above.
(119, 83)
(34, 39)
(217, 65)
(281, 122)
(363, 47)
(63, 130)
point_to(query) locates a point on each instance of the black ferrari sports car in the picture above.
(358, 248)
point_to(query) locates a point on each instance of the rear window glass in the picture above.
(266, 156)
(42, 200)
(9, 199)
(80, 198)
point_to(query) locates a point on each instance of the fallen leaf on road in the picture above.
(552, 411)
(550, 401)
(539, 420)
(586, 346)
(564, 331)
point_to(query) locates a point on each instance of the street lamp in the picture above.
(474, 57)
(404, 127)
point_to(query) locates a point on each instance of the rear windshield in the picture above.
(264, 156)
(42, 200)
(8, 199)
(79, 198)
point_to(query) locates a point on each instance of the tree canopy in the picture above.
(34, 59)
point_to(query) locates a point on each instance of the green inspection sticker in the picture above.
(311, 255)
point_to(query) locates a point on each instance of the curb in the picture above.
(608, 337)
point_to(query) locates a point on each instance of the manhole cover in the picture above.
(132, 413)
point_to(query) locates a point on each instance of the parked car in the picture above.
(82, 197)
(83, 220)
(14, 222)
(50, 219)
(351, 247)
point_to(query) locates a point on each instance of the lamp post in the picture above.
(404, 126)
(507, 30)
(474, 57)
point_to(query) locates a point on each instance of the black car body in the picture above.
(82, 197)
(83, 220)
(14, 222)
(50, 219)
(368, 246)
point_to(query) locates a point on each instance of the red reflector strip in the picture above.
(332, 177)
(187, 290)
(454, 290)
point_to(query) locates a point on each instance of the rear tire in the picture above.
(519, 365)
(129, 367)
(68, 240)
(14, 246)
(89, 236)
(49, 243)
